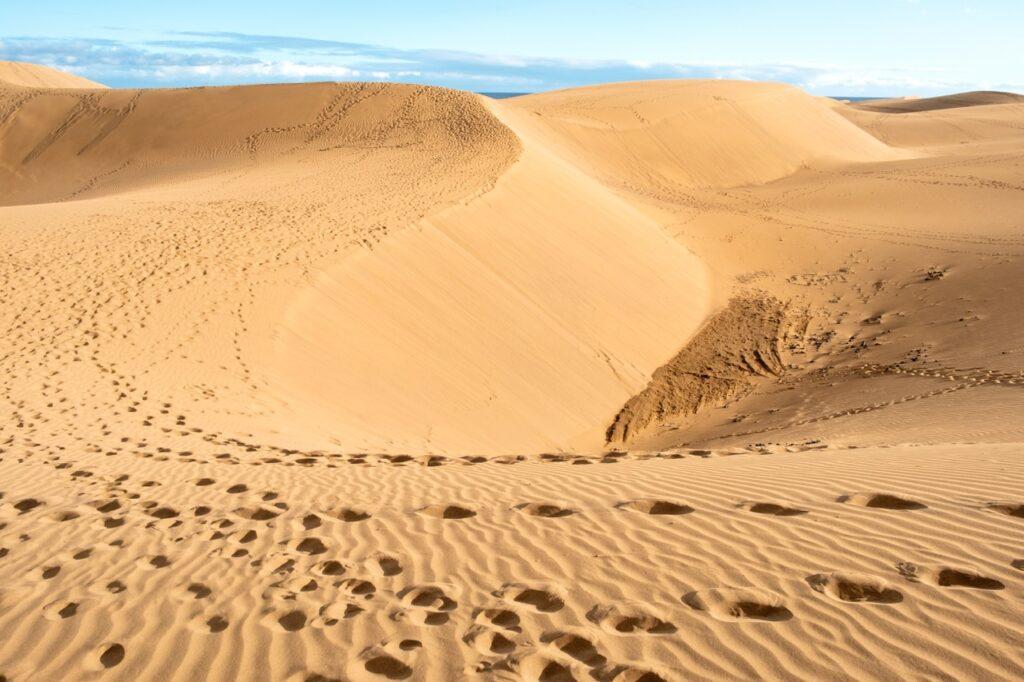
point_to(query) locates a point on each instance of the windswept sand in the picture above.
(646, 381)
(21, 74)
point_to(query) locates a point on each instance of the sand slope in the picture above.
(686, 134)
(25, 75)
(516, 323)
(648, 381)
(914, 104)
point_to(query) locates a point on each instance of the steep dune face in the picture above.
(672, 136)
(516, 323)
(25, 75)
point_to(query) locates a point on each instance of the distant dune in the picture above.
(636, 382)
(707, 134)
(912, 104)
(26, 75)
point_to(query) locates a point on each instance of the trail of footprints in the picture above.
(303, 585)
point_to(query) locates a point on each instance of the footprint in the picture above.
(154, 562)
(217, 624)
(163, 513)
(384, 565)
(237, 488)
(447, 511)
(854, 587)
(387, 666)
(1008, 509)
(624, 674)
(349, 515)
(331, 568)
(111, 655)
(576, 647)
(534, 597)
(199, 591)
(311, 545)
(392, 660)
(311, 521)
(293, 621)
(256, 513)
(106, 507)
(880, 501)
(335, 612)
(732, 604)
(502, 619)
(947, 576)
(1018, 564)
(628, 620)
(537, 666)
(425, 605)
(771, 508)
(428, 597)
(488, 642)
(301, 584)
(356, 587)
(548, 511)
(61, 609)
(656, 507)
(27, 505)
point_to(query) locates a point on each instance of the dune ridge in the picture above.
(638, 382)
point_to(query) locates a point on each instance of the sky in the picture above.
(829, 47)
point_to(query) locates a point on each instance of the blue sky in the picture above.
(838, 47)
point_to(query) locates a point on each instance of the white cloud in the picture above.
(225, 58)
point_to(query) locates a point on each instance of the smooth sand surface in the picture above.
(22, 74)
(648, 381)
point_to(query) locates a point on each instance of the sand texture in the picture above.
(677, 380)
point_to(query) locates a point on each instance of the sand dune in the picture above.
(647, 381)
(687, 134)
(25, 75)
(497, 327)
(946, 129)
(914, 104)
